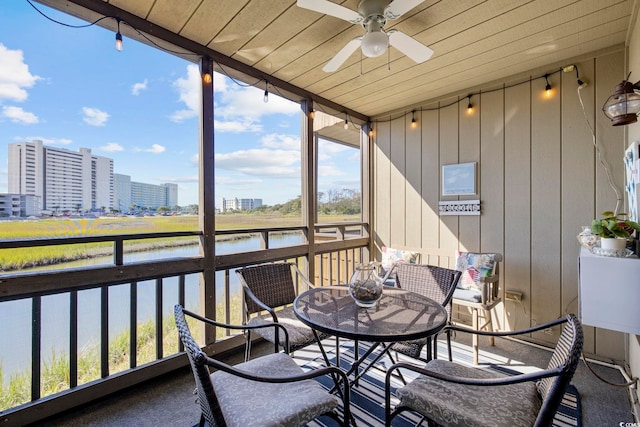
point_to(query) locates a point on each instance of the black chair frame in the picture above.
(200, 363)
(550, 405)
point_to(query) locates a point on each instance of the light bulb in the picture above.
(119, 41)
(346, 124)
(311, 114)
(206, 77)
(266, 96)
(375, 43)
(547, 90)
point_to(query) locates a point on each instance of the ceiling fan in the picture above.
(372, 15)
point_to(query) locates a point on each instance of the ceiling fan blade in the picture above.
(330, 8)
(400, 7)
(342, 55)
(409, 46)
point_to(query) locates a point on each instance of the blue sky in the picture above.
(70, 88)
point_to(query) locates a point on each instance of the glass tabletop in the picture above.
(399, 315)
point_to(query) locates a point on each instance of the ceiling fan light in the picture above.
(374, 43)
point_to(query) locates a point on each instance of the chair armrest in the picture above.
(505, 333)
(259, 303)
(513, 379)
(241, 327)
(303, 277)
(388, 273)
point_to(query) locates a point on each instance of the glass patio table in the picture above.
(400, 315)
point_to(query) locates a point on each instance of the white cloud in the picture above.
(138, 87)
(261, 162)
(246, 102)
(182, 115)
(18, 115)
(237, 126)
(14, 75)
(94, 116)
(111, 147)
(273, 140)
(155, 149)
(189, 93)
(237, 108)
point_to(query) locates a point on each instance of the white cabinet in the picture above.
(610, 292)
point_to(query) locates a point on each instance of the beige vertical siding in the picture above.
(538, 180)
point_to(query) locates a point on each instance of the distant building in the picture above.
(19, 205)
(61, 179)
(130, 193)
(236, 204)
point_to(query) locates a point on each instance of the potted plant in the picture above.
(613, 229)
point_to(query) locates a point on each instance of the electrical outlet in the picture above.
(513, 295)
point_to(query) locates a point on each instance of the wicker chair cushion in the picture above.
(467, 295)
(450, 404)
(300, 335)
(474, 268)
(251, 403)
(391, 256)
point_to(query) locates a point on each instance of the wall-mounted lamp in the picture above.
(118, 37)
(266, 92)
(623, 106)
(414, 123)
(346, 121)
(547, 88)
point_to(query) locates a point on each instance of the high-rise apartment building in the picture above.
(64, 180)
(130, 193)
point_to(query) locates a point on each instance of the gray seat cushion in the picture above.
(300, 335)
(470, 295)
(251, 403)
(450, 404)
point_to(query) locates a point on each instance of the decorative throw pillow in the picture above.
(474, 268)
(390, 256)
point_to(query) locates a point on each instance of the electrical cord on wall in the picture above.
(599, 154)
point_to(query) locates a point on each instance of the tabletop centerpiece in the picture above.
(614, 230)
(365, 286)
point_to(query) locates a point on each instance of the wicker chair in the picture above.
(437, 283)
(271, 288)
(270, 390)
(448, 394)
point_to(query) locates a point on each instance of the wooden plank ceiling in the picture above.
(475, 41)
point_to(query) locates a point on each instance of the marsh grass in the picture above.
(55, 369)
(20, 258)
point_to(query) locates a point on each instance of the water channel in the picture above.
(16, 316)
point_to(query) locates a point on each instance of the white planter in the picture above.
(612, 243)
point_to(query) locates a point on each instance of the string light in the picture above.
(469, 105)
(346, 121)
(370, 126)
(414, 124)
(547, 88)
(311, 113)
(118, 37)
(266, 92)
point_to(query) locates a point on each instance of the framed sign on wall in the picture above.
(459, 179)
